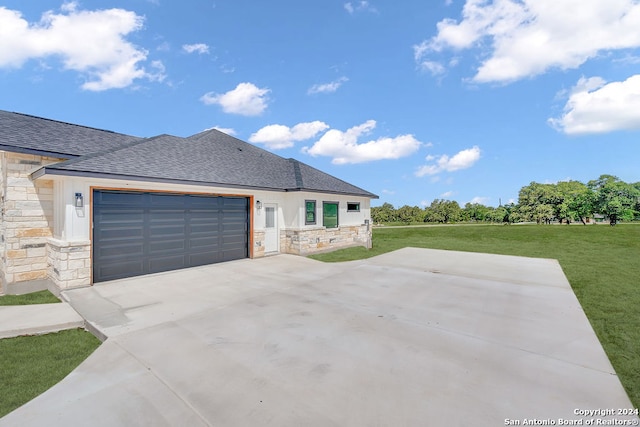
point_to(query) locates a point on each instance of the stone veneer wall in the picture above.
(258, 244)
(26, 218)
(69, 263)
(316, 240)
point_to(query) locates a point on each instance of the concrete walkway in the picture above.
(19, 320)
(413, 337)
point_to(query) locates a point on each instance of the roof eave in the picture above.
(341, 193)
(22, 150)
(49, 171)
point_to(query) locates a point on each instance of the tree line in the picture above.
(606, 198)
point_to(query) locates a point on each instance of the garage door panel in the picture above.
(120, 270)
(159, 213)
(106, 198)
(167, 263)
(233, 202)
(230, 255)
(234, 224)
(209, 220)
(203, 232)
(159, 200)
(167, 231)
(119, 219)
(204, 259)
(141, 233)
(233, 239)
(121, 250)
(200, 224)
(204, 243)
(166, 246)
(125, 233)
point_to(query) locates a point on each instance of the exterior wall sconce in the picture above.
(258, 204)
(79, 200)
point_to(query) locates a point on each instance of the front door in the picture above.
(271, 233)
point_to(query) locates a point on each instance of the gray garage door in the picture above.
(140, 233)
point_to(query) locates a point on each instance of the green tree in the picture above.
(574, 200)
(578, 200)
(475, 212)
(537, 202)
(383, 214)
(409, 214)
(543, 214)
(499, 214)
(444, 211)
(615, 198)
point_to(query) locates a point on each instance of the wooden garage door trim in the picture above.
(185, 215)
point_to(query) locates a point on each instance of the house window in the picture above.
(310, 212)
(330, 214)
(353, 207)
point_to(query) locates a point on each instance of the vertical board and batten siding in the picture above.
(136, 233)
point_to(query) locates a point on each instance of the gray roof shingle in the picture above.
(207, 158)
(36, 135)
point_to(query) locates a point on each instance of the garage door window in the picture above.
(330, 214)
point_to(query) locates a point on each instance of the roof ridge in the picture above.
(332, 176)
(297, 173)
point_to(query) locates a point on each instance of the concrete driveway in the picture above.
(413, 337)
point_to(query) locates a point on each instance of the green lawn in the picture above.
(601, 263)
(31, 365)
(41, 297)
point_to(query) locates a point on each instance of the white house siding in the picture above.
(300, 239)
(353, 227)
(26, 220)
(65, 254)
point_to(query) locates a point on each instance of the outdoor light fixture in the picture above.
(79, 200)
(258, 204)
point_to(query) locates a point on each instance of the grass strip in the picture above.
(40, 297)
(32, 364)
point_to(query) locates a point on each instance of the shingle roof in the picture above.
(211, 158)
(30, 134)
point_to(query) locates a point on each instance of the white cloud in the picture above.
(200, 48)
(327, 87)
(276, 137)
(480, 200)
(595, 106)
(228, 131)
(433, 67)
(359, 6)
(90, 42)
(227, 69)
(447, 194)
(344, 147)
(164, 47)
(525, 38)
(390, 192)
(462, 160)
(246, 99)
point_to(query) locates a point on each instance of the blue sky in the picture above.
(414, 100)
